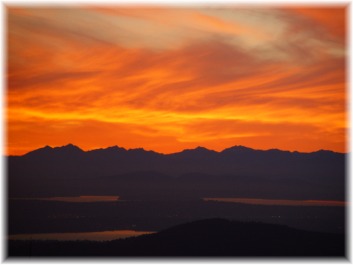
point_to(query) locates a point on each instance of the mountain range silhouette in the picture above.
(200, 172)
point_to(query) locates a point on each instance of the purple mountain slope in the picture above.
(237, 170)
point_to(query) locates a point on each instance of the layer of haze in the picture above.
(168, 79)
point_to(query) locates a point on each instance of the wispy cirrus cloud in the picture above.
(186, 76)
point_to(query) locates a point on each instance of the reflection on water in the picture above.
(75, 199)
(279, 202)
(93, 236)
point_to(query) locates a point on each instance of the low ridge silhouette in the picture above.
(213, 237)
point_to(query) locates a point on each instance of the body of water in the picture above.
(73, 218)
(93, 236)
(256, 201)
(75, 199)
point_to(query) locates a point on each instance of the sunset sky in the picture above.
(172, 78)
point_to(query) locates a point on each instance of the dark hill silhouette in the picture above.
(67, 150)
(213, 237)
(199, 172)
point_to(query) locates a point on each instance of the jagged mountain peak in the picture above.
(48, 150)
(198, 149)
(238, 148)
(69, 147)
(113, 148)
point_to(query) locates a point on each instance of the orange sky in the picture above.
(167, 79)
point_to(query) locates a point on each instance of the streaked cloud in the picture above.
(174, 78)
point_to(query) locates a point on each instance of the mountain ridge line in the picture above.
(238, 148)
